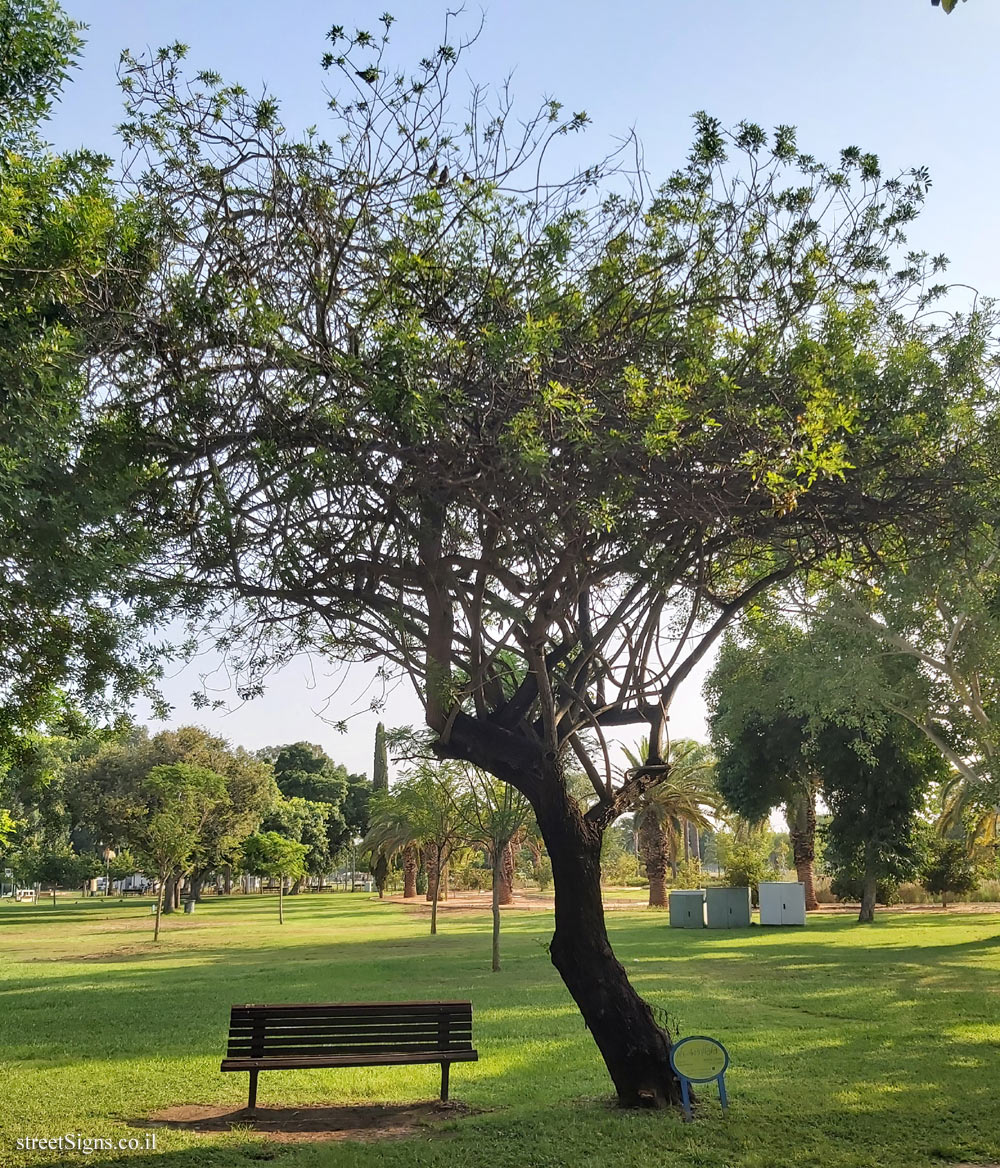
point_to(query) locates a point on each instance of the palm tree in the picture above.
(671, 813)
(967, 812)
(391, 833)
(425, 809)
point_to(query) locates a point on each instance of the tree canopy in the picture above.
(73, 258)
(531, 440)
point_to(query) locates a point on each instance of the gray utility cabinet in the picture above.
(727, 908)
(687, 909)
(782, 902)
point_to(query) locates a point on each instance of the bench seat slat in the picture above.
(355, 1026)
(337, 1051)
(320, 1051)
(277, 1007)
(361, 1009)
(391, 1058)
(353, 1037)
(390, 1040)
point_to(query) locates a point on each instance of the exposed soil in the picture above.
(544, 902)
(917, 908)
(366, 1123)
(482, 902)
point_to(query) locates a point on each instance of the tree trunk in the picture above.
(652, 845)
(867, 914)
(159, 910)
(503, 877)
(410, 864)
(433, 862)
(380, 873)
(227, 879)
(296, 888)
(178, 882)
(430, 867)
(499, 856)
(169, 888)
(695, 842)
(194, 886)
(635, 1049)
(800, 812)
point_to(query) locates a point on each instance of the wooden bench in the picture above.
(348, 1034)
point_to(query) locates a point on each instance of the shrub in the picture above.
(948, 869)
(848, 884)
(746, 867)
(542, 873)
(910, 893)
(620, 868)
(688, 875)
(988, 891)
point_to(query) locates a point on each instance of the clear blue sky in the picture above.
(897, 77)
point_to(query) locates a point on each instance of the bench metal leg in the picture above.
(252, 1100)
(445, 1068)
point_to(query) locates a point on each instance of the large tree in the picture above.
(759, 712)
(109, 799)
(667, 812)
(790, 720)
(72, 261)
(380, 782)
(180, 799)
(530, 441)
(875, 791)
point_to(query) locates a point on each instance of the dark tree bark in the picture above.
(653, 848)
(380, 874)
(410, 865)
(169, 893)
(695, 844)
(195, 883)
(227, 879)
(432, 861)
(801, 815)
(868, 890)
(498, 879)
(431, 868)
(635, 1049)
(296, 888)
(503, 876)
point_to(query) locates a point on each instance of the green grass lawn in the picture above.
(851, 1045)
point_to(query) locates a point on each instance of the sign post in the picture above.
(699, 1059)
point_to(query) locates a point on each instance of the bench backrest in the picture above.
(307, 1030)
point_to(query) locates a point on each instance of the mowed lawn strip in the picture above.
(851, 1045)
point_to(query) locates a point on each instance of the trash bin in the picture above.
(189, 906)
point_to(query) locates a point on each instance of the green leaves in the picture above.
(72, 260)
(271, 854)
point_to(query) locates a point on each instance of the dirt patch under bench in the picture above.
(364, 1122)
